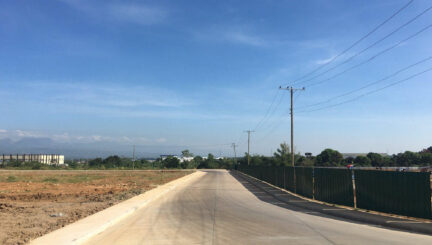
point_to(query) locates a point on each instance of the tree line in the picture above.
(333, 158)
(282, 157)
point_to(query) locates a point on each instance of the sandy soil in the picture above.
(33, 203)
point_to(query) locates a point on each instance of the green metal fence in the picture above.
(334, 186)
(289, 179)
(405, 193)
(304, 181)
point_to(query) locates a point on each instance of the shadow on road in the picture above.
(280, 198)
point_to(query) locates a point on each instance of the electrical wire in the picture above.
(275, 108)
(267, 112)
(368, 93)
(371, 58)
(369, 47)
(354, 44)
(367, 85)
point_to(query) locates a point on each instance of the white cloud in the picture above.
(324, 61)
(136, 13)
(2, 131)
(161, 140)
(235, 35)
(108, 95)
(22, 133)
(16, 135)
(244, 38)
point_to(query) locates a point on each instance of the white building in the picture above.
(181, 159)
(50, 159)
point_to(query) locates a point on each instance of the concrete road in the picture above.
(219, 209)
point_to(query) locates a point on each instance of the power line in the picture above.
(274, 128)
(371, 58)
(278, 122)
(366, 85)
(368, 93)
(275, 108)
(268, 110)
(355, 43)
(370, 46)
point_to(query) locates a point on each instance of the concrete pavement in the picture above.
(217, 208)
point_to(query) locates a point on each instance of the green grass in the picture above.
(83, 178)
(51, 180)
(11, 178)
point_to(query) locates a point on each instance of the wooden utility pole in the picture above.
(292, 90)
(133, 158)
(235, 153)
(249, 132)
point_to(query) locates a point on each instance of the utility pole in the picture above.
(249, 132)
(133, 158)
(292, 90)
(235, 154)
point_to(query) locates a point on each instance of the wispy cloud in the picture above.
(244, 38)
(139, 14)
(325, 60)
(136, 13)
(240, 36)
(108, 95)
(111, 100)
(18, 134)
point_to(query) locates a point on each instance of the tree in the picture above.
(362, 161)
(426, 159)
(186, 153)
(408, 158)
(256, 161)
(97, 162)
(348, 160)
(375, 159)
(283, 155)
(328, 158)
(211, 162)
(171, 162)
(305, 161)
(112, 162)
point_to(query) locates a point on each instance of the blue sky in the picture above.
(96, 77)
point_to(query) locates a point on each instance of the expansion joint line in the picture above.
(214, 209)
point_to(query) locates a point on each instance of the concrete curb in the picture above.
(82, 230)
(347, 214)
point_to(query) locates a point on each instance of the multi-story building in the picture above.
(50, 159)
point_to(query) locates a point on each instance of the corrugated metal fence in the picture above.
(304, 181)
(404, 193)
(334, 186)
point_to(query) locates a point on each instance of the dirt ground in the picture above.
(33, 203)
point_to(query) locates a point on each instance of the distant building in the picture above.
(50, 159)
(308, 154)
(181, 159)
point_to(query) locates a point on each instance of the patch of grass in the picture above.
(11, 178)
(83, 178)
(51, 180)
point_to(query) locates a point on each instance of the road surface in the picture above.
(218, 209)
